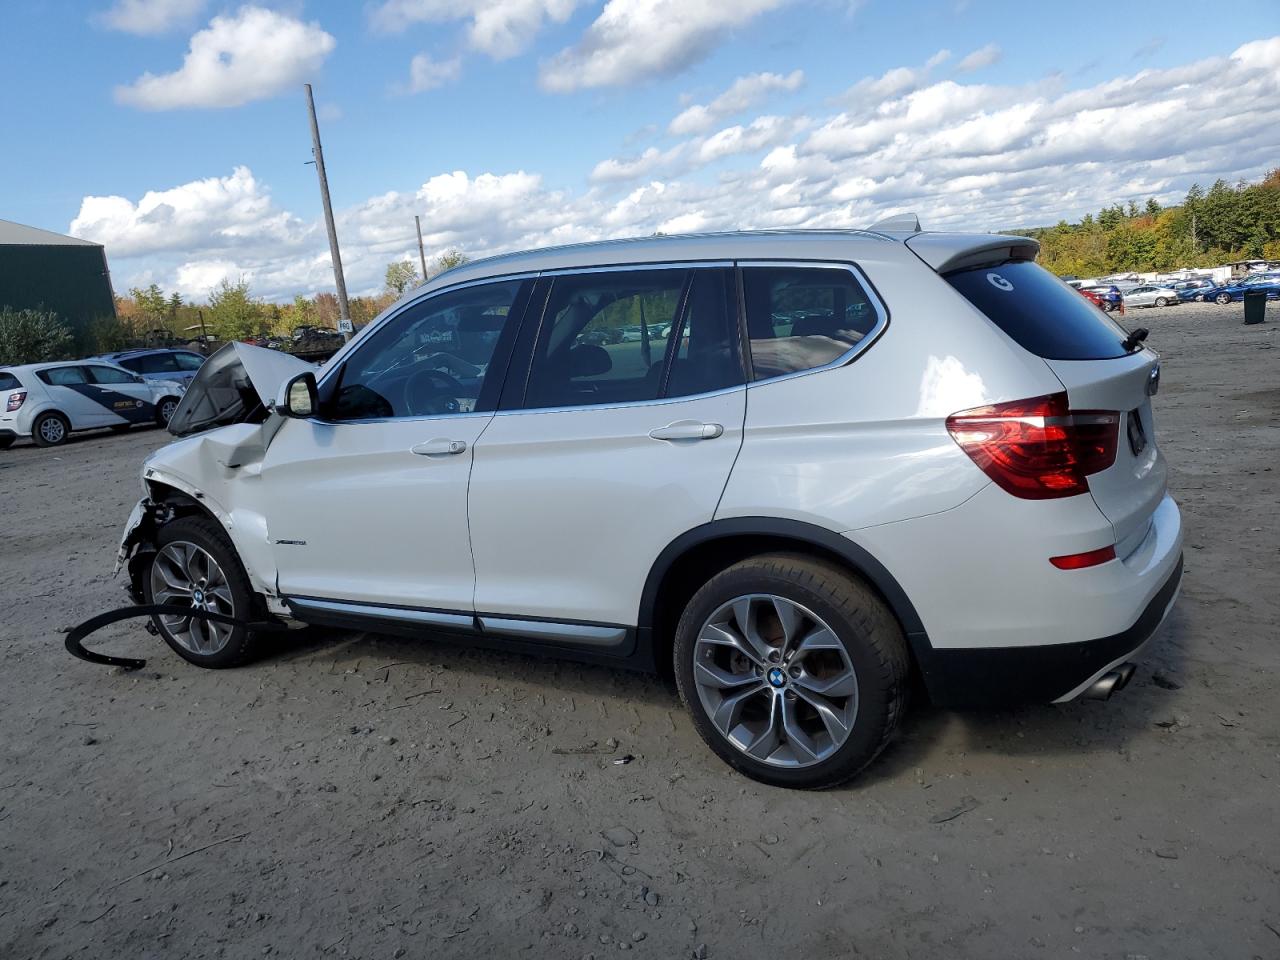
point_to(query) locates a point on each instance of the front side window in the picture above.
(801, 318)
(110, 375)
(432, 359)
(63, 376)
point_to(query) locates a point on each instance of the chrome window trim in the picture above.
(873, 295)
(623, 405)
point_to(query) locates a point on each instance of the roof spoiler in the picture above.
(946, 252)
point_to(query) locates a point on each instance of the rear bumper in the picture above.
(1004, 676)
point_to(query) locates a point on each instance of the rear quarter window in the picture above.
(1040, 313)
(9, 382)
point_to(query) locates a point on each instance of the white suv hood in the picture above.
(237, 383)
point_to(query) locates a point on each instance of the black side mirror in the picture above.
(297, 398)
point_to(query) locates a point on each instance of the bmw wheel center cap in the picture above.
(778, 677)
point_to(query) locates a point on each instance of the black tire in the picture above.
(1222, 299)
(164, 410)
(204, 533)
(1162, 301)
(44, 434)
(865, 627)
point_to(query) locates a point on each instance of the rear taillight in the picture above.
(1038, 449)
(16, 400)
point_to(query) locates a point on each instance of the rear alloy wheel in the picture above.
(794, 671)
(1222, 299)
(164, 411)
(50, 430)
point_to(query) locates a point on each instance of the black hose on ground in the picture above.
(76, 634)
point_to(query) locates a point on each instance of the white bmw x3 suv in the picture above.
(793, 469)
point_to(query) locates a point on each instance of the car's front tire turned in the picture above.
(196, 566)
(795, 672)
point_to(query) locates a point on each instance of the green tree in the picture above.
(1153, 207)
(233, 313)
(453, 257)
(32, 336)
(153, 306)
(402, 275)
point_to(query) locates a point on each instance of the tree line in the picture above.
(1223, 224)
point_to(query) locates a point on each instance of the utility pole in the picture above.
(422, 254)
(344, 311)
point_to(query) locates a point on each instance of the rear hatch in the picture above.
(1085, 350)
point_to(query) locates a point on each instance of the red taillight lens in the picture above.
(1038, 449)
(1078, 561)
(16, 400)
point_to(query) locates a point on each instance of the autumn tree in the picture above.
(233, 313)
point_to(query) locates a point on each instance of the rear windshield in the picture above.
(1039, 312)
(8, 381)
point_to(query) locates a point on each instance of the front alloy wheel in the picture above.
(185, 574)
(1222, 299)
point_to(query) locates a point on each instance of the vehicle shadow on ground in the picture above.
(1079, 728)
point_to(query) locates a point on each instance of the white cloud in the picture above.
(980, 58)
(147, 17)
(500, 28)
(249, 55)
(635, 40)
(964, 156)
(744, 93)
(427, 74)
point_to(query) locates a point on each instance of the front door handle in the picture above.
(439, 447)
(687, 430)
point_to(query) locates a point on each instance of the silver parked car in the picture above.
(1150, 295)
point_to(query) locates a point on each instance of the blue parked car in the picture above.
(1110, 296)
(158, 364)
(1270, 282)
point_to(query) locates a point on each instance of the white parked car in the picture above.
(48, 401)
(859, 456)
(1150, 295)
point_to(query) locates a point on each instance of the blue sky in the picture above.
(542, 121)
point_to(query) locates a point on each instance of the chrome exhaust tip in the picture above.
(1110, 682)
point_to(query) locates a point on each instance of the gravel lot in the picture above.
(373, 797)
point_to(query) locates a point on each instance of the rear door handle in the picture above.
(687, 430)
(439, 447)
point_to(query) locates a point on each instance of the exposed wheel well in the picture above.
(667, 596)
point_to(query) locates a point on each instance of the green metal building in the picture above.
(44, 270)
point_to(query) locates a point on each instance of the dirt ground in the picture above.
(372, 797)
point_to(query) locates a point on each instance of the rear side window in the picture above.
(604, 338)
(109, 375)
(802, 318)
(152, 363)
(9, 382)
(1040, 313)
(63, 376)
(189, 361)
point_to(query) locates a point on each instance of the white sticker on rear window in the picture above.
(999, 282)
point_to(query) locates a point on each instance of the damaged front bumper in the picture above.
(137, 545)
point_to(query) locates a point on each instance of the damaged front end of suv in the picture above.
(223, 426)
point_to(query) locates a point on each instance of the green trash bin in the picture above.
(1255, 306)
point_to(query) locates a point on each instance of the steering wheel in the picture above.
(430, 391)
